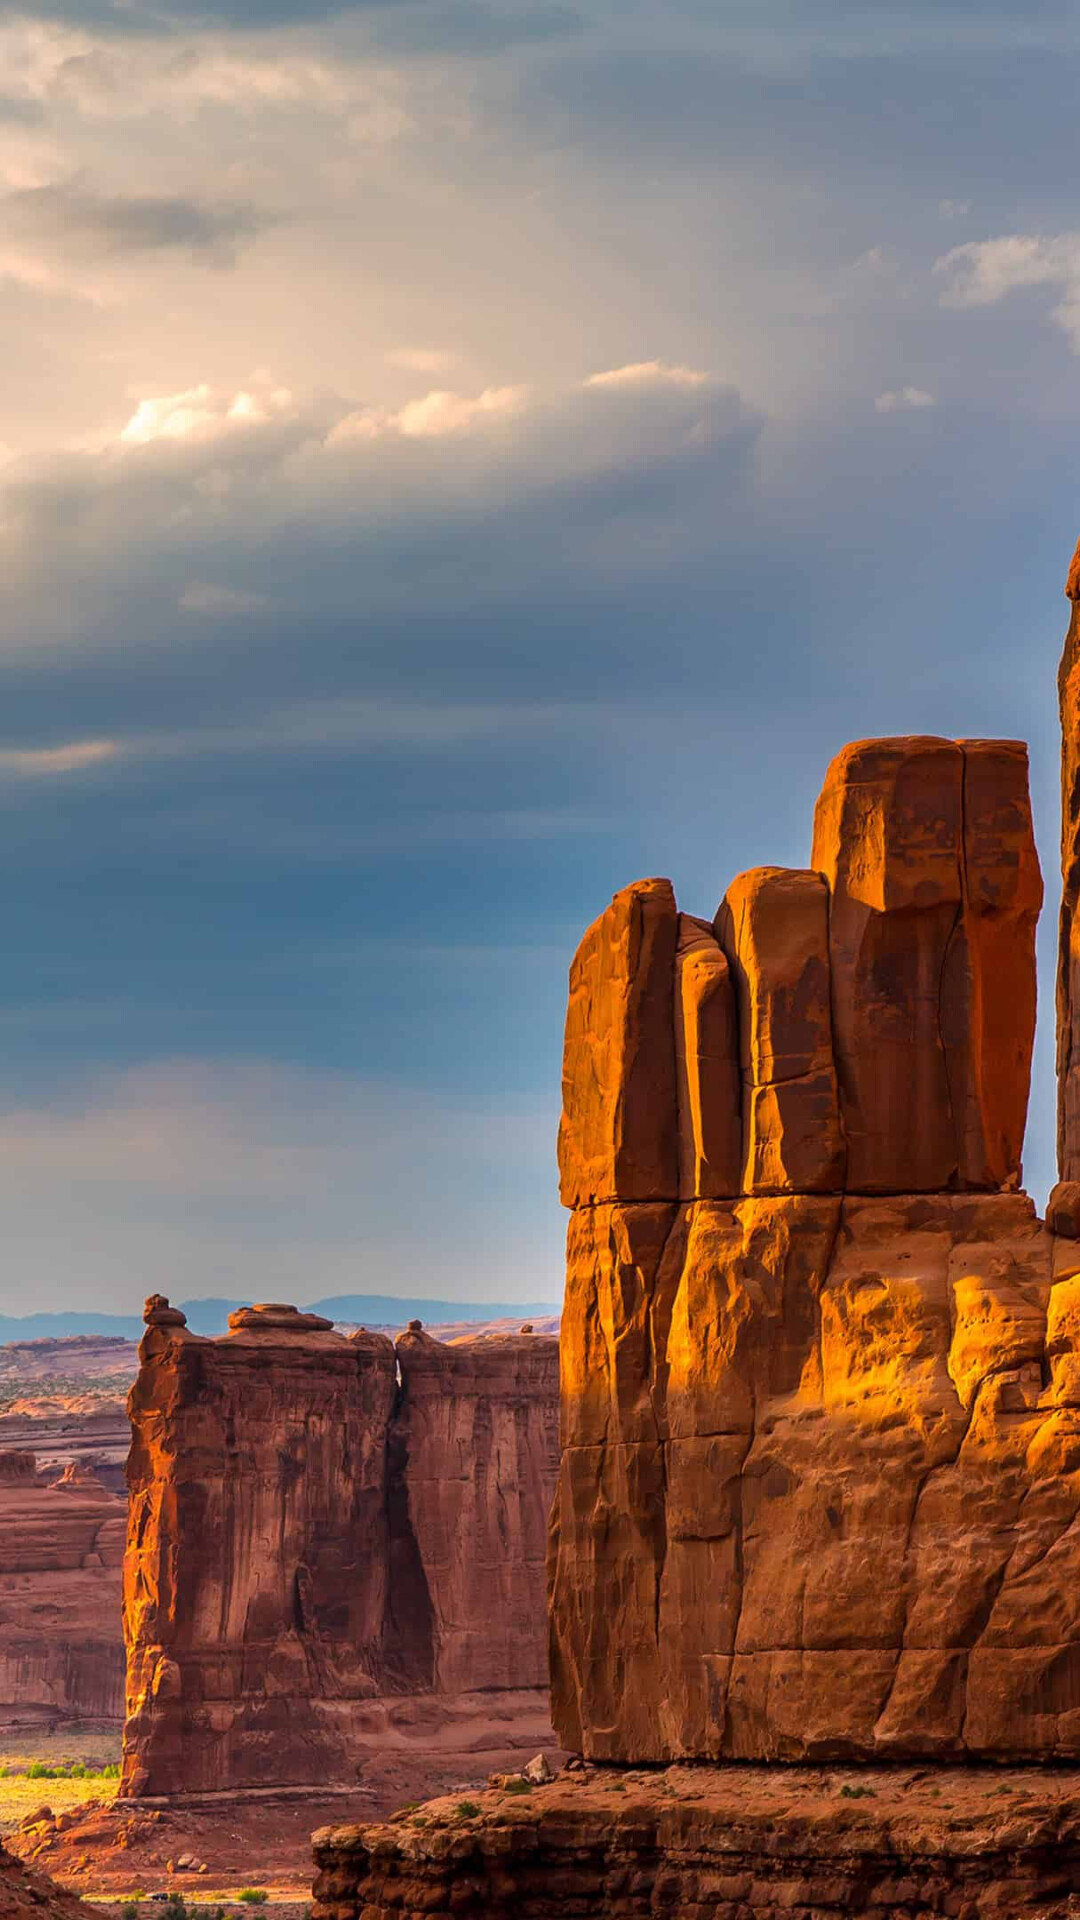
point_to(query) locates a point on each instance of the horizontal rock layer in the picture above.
(721, 1844)
(321, 1557)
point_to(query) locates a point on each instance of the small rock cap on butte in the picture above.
(158, 1313)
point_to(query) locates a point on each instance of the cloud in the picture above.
(449, 501)
(649, 373)
(36, 762)
(904, 400)
(442, 412)
(201, 414)
(438, 414)
(212, 233)
(983, 272)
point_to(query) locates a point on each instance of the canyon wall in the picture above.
(820, 1483)
(61, 1552)
(332, 1545)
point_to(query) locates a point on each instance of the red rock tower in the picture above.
(815, 1365)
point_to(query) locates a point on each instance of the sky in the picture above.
(456, 457)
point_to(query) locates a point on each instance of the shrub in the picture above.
(129, 1910)
(253, 1896)
(518, 1784)
(466, 1809)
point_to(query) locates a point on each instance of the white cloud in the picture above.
(434, 417)
(203, 491)
(38, 762)
(200, 413)
(649, 373)
(904, 400)
(982, 272)
(441, 412)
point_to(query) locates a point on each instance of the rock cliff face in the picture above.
(820, 1483)
(314, 1547)
(61, 1551)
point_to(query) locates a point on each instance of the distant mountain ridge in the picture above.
(211, 1316)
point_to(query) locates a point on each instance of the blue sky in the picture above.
(458, 457)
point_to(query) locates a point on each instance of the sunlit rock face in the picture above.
(330, 1544)
(820, 1480)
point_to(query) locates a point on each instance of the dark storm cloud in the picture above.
(213, 232)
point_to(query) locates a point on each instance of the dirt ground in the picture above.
(113, 1851)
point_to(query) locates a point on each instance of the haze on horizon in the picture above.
(459, 456)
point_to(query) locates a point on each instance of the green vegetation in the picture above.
(466, 1810)
(858, 1793)
(66, 1770)
(253, 1896)
(520, 1785)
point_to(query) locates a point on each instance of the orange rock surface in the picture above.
(618, 1138)
(709, 1084)
(321, 1560)
(774, 927)
(820, 1487)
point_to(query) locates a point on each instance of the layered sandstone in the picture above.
(731, 1843)
(61, 1551)
(322, 1555)
(820, 1480)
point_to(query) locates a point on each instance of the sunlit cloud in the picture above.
(904, 400)
(201, 413)
(43, 762)
(443, 412)
(649, 373)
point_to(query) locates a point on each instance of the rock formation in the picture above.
(61, 1551)
(322, 1556)
(820, 1482)
(26, 1895)
(720, 1843)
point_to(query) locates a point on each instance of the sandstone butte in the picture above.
(819, 1494)
(61, 1650)
(335, 1546)
(820, 1382)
